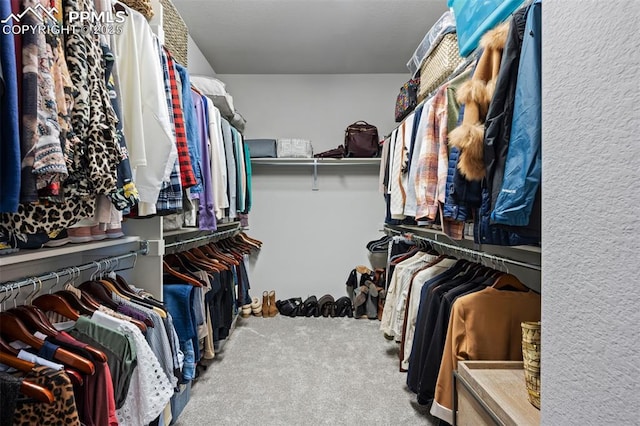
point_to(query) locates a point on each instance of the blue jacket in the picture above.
(9, 121)
(523, 167)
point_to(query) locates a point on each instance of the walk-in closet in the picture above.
(345, 212)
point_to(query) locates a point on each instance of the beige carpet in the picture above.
(304, 371)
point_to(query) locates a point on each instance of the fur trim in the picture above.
(473, 91)
(467, 135)
(469, 139)
(495, 38)
(471, 169)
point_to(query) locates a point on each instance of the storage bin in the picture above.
(261, 148)
(294, 148)
(442, 61)
(476, 17)
(445, 25)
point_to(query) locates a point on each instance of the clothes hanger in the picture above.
(27, 388)
(55, 303)
(15, 329)
(100, 293)
(506, 281)
(7, 348)
(187, 279)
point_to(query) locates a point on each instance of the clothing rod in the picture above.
(469, 252)
(217, 236)
(71, 270)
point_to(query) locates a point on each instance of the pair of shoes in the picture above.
(245, 311)
(310, 307)
(326, 305)
(290, 307)
(343, 307)
(80, 234)
(58, 239)
(8, 242)
(256, 307)
(269, 308)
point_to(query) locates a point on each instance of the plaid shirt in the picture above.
(431, 179)
(187, 178)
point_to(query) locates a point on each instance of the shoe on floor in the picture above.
(246, 311)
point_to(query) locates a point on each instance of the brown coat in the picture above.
(483, 326)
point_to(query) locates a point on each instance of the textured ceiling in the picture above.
(309, 36)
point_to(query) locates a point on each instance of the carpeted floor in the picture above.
(304, 371)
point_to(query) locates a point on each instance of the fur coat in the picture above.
(476, 95)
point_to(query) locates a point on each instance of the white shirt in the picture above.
(218, 160)
(145, 116)
(149, 390)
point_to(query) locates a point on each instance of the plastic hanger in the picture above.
(15, 329)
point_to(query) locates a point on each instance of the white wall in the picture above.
(198, 64)
(591, 213)
(313, 238)
(314, 106)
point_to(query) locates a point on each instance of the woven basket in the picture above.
(531, 347)
(176, 32)
(142, 6)
(440, 63)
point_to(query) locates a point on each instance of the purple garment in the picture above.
(207, 216)
(133, 313)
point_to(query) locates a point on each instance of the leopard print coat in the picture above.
(93, 150)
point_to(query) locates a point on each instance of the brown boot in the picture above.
(265, 304)
(273, 310)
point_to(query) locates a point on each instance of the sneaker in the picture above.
(32, 241)
(8, 242)
(115, 233)
(58, 238)
(98, 234)
(80, 234)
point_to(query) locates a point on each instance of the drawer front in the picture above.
(470, 412)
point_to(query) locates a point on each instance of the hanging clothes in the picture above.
(9, 121)
(146, 123)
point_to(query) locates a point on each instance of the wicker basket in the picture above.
(440, 63)
(531, 346)
(176, 32)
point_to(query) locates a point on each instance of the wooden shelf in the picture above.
(499, 388)
(45, 253)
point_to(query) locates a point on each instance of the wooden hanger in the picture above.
(99, 292)
(15, 329)
(187, 279)
(509, 280)
(75, 302)
(27, 388)
(55, 303)
(7, 348)
(33, 321)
